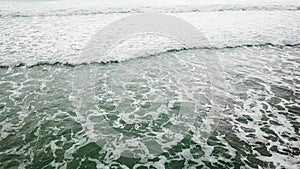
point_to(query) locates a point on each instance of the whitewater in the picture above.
(147, 102)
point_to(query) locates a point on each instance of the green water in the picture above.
(42, 127)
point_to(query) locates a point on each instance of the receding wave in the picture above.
(179, 9)
(116, 60)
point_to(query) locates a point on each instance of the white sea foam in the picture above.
(61, 39)
(255, 41)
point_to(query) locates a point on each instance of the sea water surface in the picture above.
(154, 118)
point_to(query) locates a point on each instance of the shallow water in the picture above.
(148, 106)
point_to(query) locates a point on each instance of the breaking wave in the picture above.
(179, 9)
(174, 50)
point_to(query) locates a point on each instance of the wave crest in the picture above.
(70, 64)
(179, 9)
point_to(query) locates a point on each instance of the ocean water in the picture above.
(151, 102)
